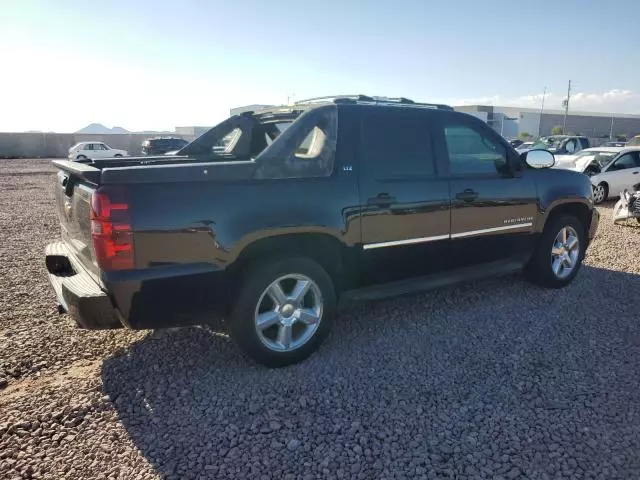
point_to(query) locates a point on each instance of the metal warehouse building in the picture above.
(512, 121)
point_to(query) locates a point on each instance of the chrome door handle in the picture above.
(468, 195)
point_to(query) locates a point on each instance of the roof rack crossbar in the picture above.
(373, 99)
(333, 98)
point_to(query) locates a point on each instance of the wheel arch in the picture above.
(582, 210)
(327, 250)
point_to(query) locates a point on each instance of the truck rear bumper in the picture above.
(159, 297)
(77, 292)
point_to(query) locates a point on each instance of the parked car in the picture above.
(562, 145)
(342, 199)
(589, 160)
(634, 142)
(622, 172)
(524, 146)
(85, 151)
(162, 145)
(614, 144)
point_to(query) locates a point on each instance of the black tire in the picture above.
(253, 284)
(605, 188)
(539, 268)
(117, 155)
(81, 158)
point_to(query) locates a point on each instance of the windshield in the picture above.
(549, 143)
(603, 158)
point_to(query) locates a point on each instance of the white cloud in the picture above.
(612, 101)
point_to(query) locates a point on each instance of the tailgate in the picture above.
(75, 182)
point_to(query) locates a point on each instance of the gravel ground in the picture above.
(496, 379)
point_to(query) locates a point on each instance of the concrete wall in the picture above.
(591, 126)
(56, 145)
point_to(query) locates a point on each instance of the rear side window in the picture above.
(584, 142)
(472, 150)
(396, 143)
(306, 148)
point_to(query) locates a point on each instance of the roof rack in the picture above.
(373, 99)
(334, 99)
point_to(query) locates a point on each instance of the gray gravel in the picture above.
(496, 379)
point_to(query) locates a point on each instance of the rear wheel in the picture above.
(81, 158)
(600, 193)
(283, 311)
(117, 155)
(559, 254)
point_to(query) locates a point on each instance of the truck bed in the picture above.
(156, 170)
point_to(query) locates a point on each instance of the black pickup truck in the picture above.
(273, 216)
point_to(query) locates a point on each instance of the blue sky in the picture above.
(158, 64)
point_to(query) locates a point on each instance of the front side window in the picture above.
(472, 151)
(101, 146)
(305, 148)
(628, 160)
(88, 146)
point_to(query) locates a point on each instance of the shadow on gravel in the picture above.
(487, 377)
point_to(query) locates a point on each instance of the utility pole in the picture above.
(611, 130)
(566, 109)
(544, 94)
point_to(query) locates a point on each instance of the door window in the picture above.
(584, 143)
(628, 160)
(100, 146)
(396, 143)
(472, 151)
(88, 146)
(570, 146)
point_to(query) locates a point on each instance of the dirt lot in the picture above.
(496, 379)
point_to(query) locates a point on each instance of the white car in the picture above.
(622, 172)
(84, 151)
(594, 158)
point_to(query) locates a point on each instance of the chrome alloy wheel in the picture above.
(565, 252)
(598, 194)
(288, 312)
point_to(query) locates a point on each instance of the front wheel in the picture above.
(559, 254)
(283, 311)
(600, 193)
(117, 155)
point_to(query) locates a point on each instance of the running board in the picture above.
(430, 282)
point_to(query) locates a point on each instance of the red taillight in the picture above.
(111, 230)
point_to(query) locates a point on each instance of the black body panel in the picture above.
(380, 204)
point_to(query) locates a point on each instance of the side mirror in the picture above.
(539, 158)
